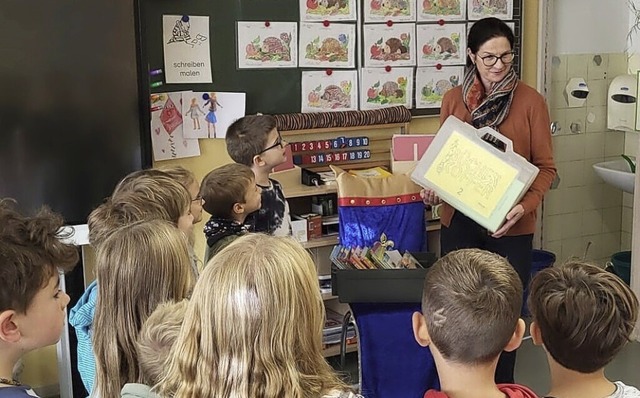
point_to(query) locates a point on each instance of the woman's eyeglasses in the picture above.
(506, 58)
(279, 143)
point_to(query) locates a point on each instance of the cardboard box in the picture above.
(299, 229)
(314, 225)
(476, 171)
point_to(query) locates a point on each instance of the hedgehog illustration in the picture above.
(395, 4)
(445, 45)
(333, 3)
(272, 45)
(335, 95)
(495, 4)
(391, 89)
(442, 86)
(330, 45)
(394, 46)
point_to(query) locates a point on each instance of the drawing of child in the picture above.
(195, 112)
(212, 101)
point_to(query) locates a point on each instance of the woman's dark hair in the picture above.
(485, 30)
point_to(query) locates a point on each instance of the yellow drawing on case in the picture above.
(471, 174)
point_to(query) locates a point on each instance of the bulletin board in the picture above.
(278, 90)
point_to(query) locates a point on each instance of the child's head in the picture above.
(259, 332)
(582, 314)
(130, 180)
(254, 140)
(471, 306)
(31, 255)
(189, 181)
(230, 192)
(138, 267)
(156, 196)
(157, 336)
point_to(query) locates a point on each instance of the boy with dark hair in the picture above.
(582, 316)
(32, 306)
(470, 314)
(254, 141)
(230, 194)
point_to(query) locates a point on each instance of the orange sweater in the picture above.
(528, 126)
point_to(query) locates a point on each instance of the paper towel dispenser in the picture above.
(621, 103)
(576, 92)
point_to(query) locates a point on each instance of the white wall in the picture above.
(590, 26)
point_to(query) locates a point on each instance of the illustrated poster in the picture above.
(186, 44)
(389, 10)
(167, 138)
(335, 92)
(380, 89)
(331, 46)
(479, 9)
(262, 46)
(327, 10)
(443, 45)
(209, 114)
(448, 10)
(432, 84)
(390, 45)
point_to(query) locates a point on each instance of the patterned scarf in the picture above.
(217, 228)
(488, 109)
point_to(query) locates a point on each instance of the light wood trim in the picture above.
(334, 349)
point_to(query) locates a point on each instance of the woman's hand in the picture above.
(512, 217)
(429, 197)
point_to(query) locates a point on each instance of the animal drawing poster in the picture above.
(479, 9)
(442, 44)
(186, 49)
(272, 46)
(327, 10)
(433, 83)
(448, 10)
(209, 114)
(331, 46)
(322, 92)
(380, 89)
(389, 10)
(167, 138)
(393, 45)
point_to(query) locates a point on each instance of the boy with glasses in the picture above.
(255, 141)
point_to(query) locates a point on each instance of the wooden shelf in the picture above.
(298, 191)
(286, 133)
(433, 225)
(334, 349)
(324, 241)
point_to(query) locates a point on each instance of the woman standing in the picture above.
(491, 95)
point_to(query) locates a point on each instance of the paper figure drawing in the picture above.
(335, 92)
(194, 113)
(211, 100)
(479, 9)
(181, 30)
(394, 10)
(330, 46)
(432, 84)
(389, 45)
(330, 10)
(383, 89)
(434, 10)
(272, 46)
(441, 44)
(167, 138)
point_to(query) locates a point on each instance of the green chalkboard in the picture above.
(268, 90)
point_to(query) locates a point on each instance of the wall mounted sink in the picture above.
(616, 173)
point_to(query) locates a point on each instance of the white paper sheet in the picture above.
(187, 44)
(209, 114)
(167, 138)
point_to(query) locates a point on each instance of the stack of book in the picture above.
(376, 257)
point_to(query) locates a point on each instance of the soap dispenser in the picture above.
(621, 103)
(576, 92)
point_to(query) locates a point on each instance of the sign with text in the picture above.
(186, 43)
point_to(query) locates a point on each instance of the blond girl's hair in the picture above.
(253, 327)
(182, 175)
(138, 267)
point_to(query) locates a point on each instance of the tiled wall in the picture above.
(583, 208)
